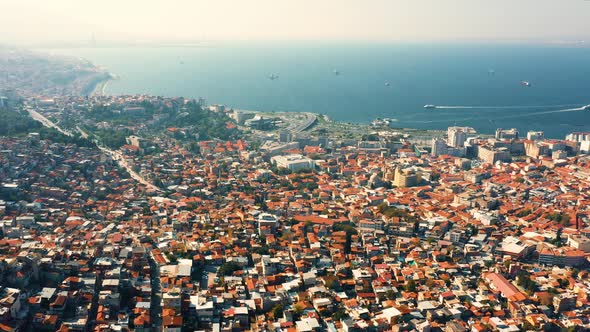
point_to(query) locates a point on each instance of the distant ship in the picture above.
(525, 83)
(273, 77)
(429, 106)
(336, 72)
(387, 84)
(387, 122)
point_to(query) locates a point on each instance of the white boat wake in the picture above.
(578, 109)
(504, 107)
(521, 115)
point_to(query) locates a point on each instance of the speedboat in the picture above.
(429, 106)
(526, 83)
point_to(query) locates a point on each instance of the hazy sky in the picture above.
(34, 21)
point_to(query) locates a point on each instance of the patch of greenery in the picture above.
(191, 117)
(277, 311)
(390, 212)
(113, 138)
(52, 134)
(17, 122)
(560, 218)
(524, 213)
(228, 268)
(524, 280)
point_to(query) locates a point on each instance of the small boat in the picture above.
(525, 83)
(336, 72)
(429, 106)
(273, 77)
(586, 108)
(387, 84)
(387, 122)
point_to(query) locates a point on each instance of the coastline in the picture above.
(100, 87)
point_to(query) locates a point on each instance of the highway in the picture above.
(115, 155)
(296, 126)
(46, 122)
(82, 132)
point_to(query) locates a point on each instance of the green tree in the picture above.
(410, 286)
(277, 311)
(15, 122)
(340, 314)
(228, 268)
(331, 282)
(172, 258)
(298, 309)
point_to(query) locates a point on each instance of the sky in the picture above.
(75, 21)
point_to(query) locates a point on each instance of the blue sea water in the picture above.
(445, 75)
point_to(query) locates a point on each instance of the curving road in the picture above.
(46, 122)
(115, 155)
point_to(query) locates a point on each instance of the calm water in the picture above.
(456, 75)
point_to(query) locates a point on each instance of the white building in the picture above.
(202, 307)
(267, 219)
(506, 134)
(578, 137)
(579, 242)
(456, 136)
(293, 162)
(439, 147)
(535, 135)
(581, 137)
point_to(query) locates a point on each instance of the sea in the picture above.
(480, 86)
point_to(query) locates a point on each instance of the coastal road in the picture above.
(298, 125)
(100, 88)
(311, 119)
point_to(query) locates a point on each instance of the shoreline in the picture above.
(100, 87)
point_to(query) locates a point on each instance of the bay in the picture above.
(384, 80)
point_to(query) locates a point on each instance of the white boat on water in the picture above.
(386, 122)
(429, 106)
